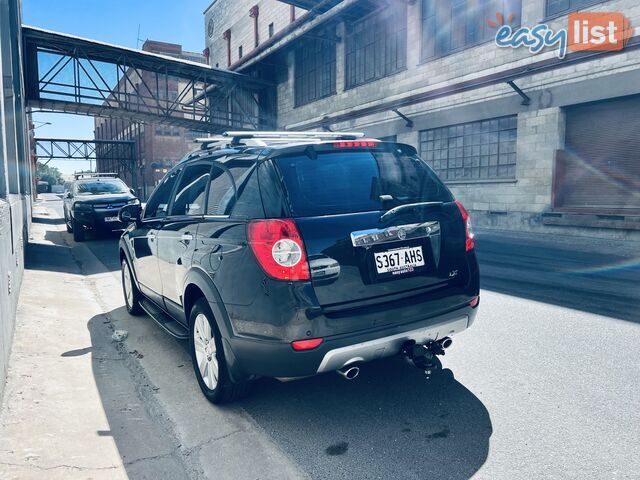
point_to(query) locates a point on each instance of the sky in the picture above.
(117, 22)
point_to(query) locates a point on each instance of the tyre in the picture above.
(205, 345)
(78, 231)
(130, 290)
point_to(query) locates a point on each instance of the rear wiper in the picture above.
(394, 211)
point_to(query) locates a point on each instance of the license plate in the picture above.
(399, 260)
(111, 219)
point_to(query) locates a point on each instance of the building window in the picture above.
(450, 26)
(484, 150)
(315, 70)
(240, 52)
(556, 7)
(271, 30)
(376, 46)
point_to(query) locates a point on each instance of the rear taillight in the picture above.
(473, 303)
(309, 344)
(468, 230)
(279, 249)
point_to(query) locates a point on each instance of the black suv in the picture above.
(93, 201)
(288, 255)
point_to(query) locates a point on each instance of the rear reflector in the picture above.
(356, 144)
(279, 249)
(468, 230)
(299, 345)
(474, 302)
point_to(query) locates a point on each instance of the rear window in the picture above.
(358, 181)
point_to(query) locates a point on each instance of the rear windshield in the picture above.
(358, 181)
(101, 187)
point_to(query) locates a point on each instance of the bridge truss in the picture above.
(64, 73)
(107, 155)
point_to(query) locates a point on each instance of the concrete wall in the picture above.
(520, 203)
(234, 15)
(15, 176)
(13, 235)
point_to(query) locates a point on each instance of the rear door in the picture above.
(144, 237)
(222, 251)
(177, 237)
(377, 224)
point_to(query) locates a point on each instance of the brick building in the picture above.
(560, 159)
(158, 146)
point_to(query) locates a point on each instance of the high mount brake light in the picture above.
(279, 249)
(355, 144)
(468, 229)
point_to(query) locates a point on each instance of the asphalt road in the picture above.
(544, 385)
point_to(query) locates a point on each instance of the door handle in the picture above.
(186, 237)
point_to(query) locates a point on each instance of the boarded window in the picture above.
(484, 150)
(315, 70)
(452, 25)
(376, 46)
(599, 169)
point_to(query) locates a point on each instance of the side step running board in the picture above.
(165, 321)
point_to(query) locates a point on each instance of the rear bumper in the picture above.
(251, 357)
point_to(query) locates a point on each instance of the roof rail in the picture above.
(263, 138)
(80, 175)
(290, 134)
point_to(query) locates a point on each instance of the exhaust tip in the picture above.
(349, 373)
(446, 342)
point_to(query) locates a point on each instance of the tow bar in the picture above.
(423, 355)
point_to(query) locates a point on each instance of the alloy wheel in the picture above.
(205, 349)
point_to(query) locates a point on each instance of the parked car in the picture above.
(93, 201)
(287, 255)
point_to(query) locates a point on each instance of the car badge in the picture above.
(402, 234)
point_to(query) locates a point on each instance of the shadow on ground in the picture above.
(143, 437)
(48, 220)
(388, 423)
(391, 422)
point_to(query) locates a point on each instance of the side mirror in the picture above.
(68, 195)
(133, 192)
(130, 214)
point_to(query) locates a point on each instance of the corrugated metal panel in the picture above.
(599, 170)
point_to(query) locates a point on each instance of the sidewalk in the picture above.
(79, 405)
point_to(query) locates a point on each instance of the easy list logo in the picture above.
(587, 31)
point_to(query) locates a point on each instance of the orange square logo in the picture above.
(598, 31)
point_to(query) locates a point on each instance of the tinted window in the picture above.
(192, 189)
(158, 204)
(101, 187)
(225, 180)
(249, 203)
(272, 201)
(347, 182)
